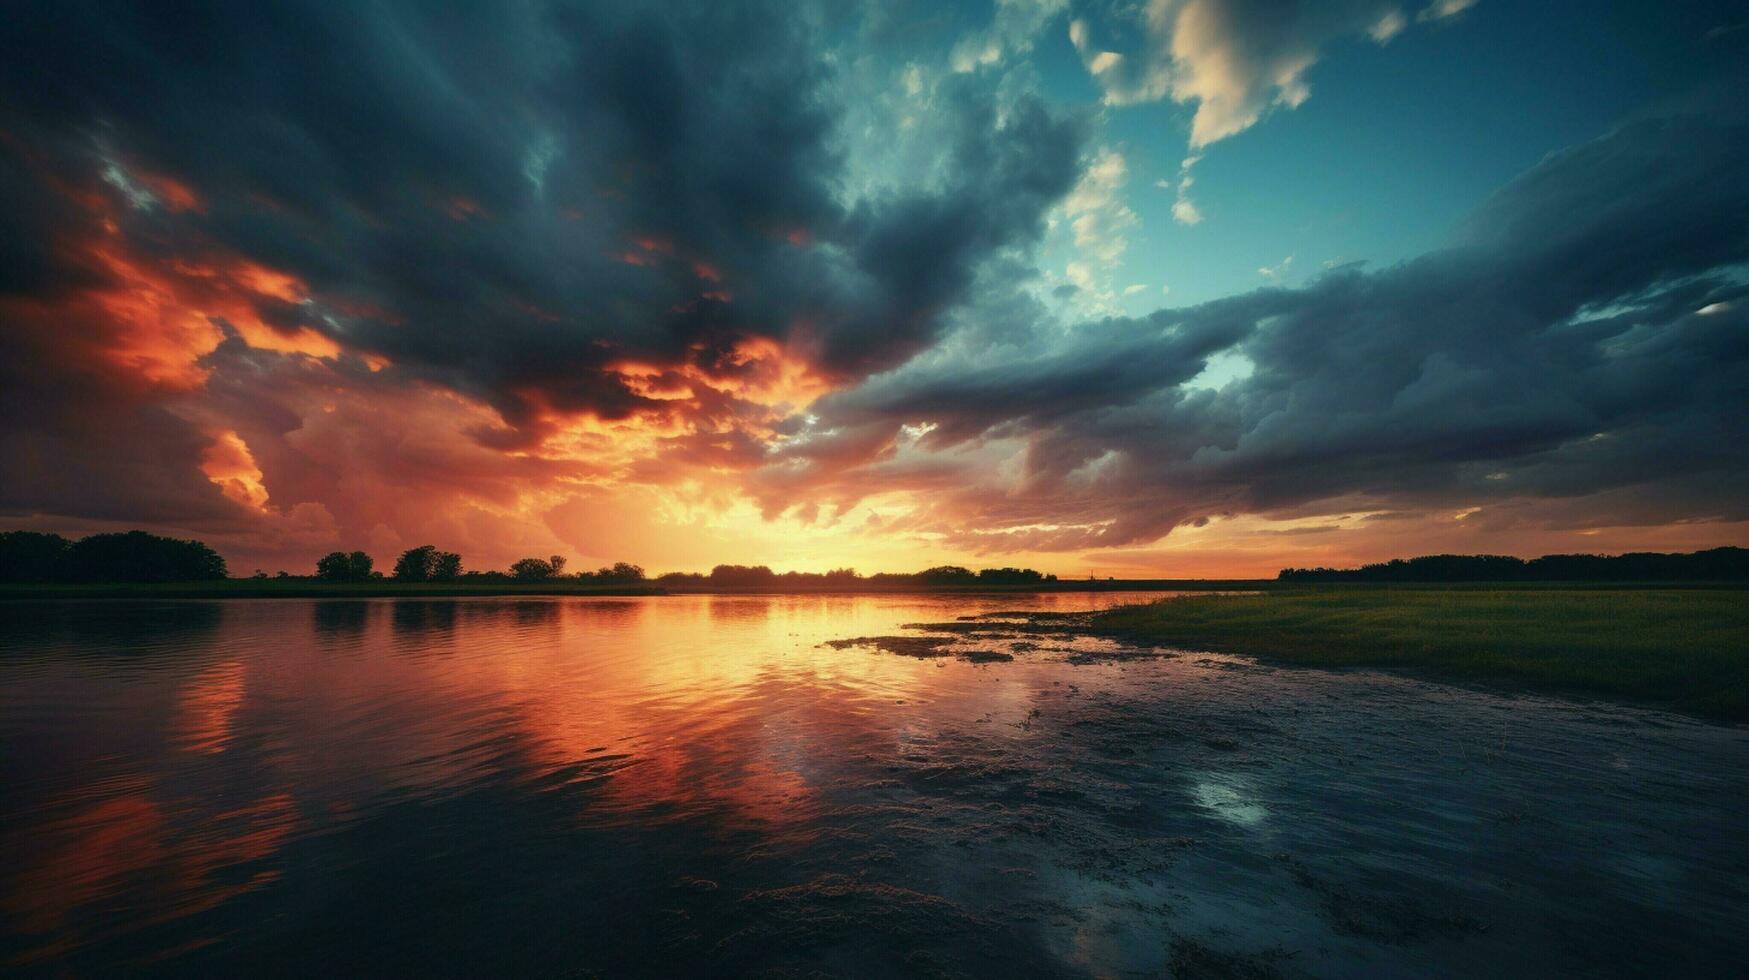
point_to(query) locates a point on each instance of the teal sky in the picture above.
(1396, 143)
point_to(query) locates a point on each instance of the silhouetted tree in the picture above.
(342, 566)
(946, 575)
(616, 574)
(415, 564)
(30, 556)
(537, 568)
(743, 575)
(426, 564)
(135, 556)
(1009, 576)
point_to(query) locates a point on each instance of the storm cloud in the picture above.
(558, 210)
(1585, 339)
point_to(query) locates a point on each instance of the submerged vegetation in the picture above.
(1687, 649)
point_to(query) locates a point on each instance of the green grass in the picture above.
(1686, 649)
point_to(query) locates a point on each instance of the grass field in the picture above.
(1683, 648)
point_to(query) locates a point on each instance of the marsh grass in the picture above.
(1683, 648)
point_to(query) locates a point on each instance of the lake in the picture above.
(684, 785)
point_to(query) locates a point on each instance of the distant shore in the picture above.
(307, 588)
(304, 588)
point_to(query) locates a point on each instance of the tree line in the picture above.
(129, 556)
(427, 564)
(761, 576)
(1712, 565)
(136, 556)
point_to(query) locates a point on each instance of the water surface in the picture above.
(696, 784)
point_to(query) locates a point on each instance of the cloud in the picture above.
(1444, 9)
(1389, 25)
(1233, 59)
(487, 242)
(1549, 369)
(1184, 210)
(405, 196)
(1100, 220)
(1096, 210)
(1013, 29)
(1124, 80)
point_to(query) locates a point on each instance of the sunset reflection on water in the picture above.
(644, 785)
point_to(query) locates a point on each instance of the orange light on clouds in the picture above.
(268, 282)
(151, 333)
(172, 193)
(231, 467)
(160, 318)
(775, 375)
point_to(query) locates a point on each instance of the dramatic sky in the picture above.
(1181, 287)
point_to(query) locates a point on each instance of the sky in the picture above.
(1161, 288)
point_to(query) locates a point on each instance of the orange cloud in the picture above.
(173, 193)
(154, 318)
(230, 466)
(151, 332)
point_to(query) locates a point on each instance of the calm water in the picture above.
(681, 785)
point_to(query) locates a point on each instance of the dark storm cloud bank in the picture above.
(1581, 358)
(509, 200)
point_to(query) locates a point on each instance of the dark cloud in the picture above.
(509, 198)
(1560, 351)
(513, 201)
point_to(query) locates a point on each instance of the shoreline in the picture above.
(306, 589)
(1673, 645)
(311, 589)
(1685, 651)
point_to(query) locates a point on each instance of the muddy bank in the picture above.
(920, 647)
(999, 637)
